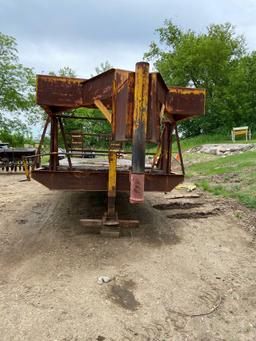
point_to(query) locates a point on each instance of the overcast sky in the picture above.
(83, 33)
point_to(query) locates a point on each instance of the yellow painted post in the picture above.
(112, 184)
(27, 173)
(140, 116)
(104, 110)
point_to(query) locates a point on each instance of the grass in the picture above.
(203, 139)
(225, 164)
(230, 176)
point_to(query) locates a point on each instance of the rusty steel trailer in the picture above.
(140, 109)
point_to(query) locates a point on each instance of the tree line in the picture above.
(216, 60)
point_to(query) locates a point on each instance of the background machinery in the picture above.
(11, 159)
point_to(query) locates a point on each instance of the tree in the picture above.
(17, 85)
(209, 60)
(102, 67)
(241, 92)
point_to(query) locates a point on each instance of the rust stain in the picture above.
(187, 91)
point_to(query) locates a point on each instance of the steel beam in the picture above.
(183, 103)
(166, 145)
(64, 92)
(179, 149)
(97, 180)
(37, 160)
(139, 132)
(111, 212)
(54, 143)
(65, 142)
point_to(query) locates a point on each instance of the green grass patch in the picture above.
(203, 139)
(224, 164)
(230, 176)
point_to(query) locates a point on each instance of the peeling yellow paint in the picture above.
(112, 173)
(187, 91)
(104, 110)
(141, 97)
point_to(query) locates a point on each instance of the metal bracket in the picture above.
(106, 227)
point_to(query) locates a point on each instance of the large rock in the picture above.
(223, 149)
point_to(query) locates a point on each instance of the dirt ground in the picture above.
(188, 272)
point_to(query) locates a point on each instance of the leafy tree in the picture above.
(240, 94)
(102, 67)
(210, 60)
(17, 83)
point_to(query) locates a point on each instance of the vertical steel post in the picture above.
(179, 149)
(37, 160)
(65, 143)
(139, 132)
(166, 143)
(170, 150)
(54, 143)
(111, 213)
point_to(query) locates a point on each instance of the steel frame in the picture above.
(140, 108)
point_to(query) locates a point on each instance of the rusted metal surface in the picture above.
(65, 142)
(182, 103)
(97, 180)
(121, 111)
(130, 106)
(63, 92)
(165, 153)
(153, 122)
(98, 88)
(37, 160)
(179, 149)
(115, 91)
(73, 117)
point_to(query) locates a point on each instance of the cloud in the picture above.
(49, 57)
(83, 33)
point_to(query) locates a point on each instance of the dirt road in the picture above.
(188, 273)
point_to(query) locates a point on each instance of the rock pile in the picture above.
(223, 149)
